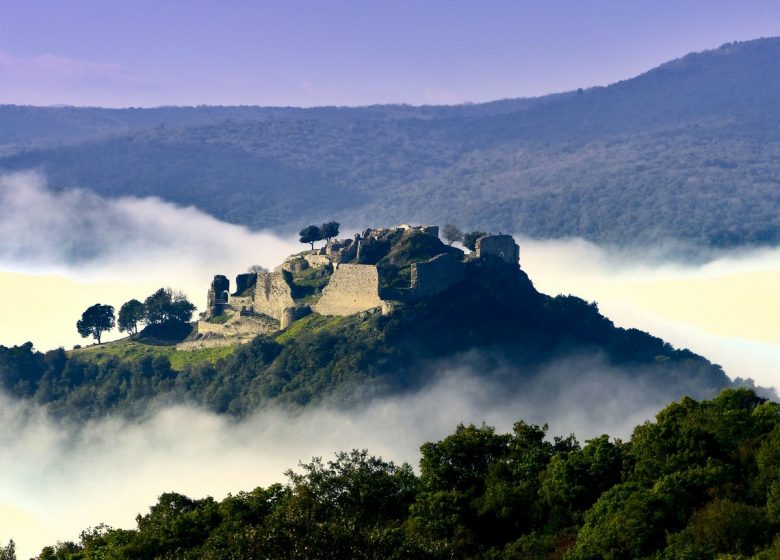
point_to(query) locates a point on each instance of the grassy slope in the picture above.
(126, 349)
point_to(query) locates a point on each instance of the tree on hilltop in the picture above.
(329, 230)
(96, 320)
(167, 306)
(130, 314)
(311, 234)
(450, 233)
(470, 239)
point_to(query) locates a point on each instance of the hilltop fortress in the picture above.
(377, 271)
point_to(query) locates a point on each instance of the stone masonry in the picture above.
(352, 288)
(501, 246)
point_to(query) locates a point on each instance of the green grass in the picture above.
(310, 323)
(220, 319)
(132, 350)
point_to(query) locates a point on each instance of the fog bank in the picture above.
(58, 479)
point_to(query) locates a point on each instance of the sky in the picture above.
(350, 52)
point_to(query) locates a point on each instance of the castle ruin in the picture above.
(345, 277)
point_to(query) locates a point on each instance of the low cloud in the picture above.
(84, 236)
(59, 479)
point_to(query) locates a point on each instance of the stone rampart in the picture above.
(352, 288)
(428, 278)
(501, 246)
(272, 294)
(244, 325)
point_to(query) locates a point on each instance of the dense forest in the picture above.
(493, 323)
(701, 481)
(687, 151)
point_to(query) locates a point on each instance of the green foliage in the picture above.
(96, 320)
(486, 495)
(8, 552)
(167, 306)
(310, 234)
(329, 230)
(130, 314)
(493, 323)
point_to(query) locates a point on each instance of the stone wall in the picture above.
(272, 294)
(501, 246)
(234, 326)
(316, 260)
(428, 278)
(217, 295)
(244, 282)
(352, 288)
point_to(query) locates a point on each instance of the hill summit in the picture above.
(379, 270)
(388, 312)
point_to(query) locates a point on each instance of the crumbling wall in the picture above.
(436, 275)
(501, 246)
(217, 296)
(428, 278)
(250, 326)
(272, 294)
(244, 282)
(316, 260)
(352, 288)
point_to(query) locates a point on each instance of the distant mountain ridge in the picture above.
(688, 151)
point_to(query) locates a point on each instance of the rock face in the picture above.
(352, 288)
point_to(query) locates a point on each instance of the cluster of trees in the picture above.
(702, 481)
(312, 234)
(164, 310)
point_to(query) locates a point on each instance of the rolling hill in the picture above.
(687, 151)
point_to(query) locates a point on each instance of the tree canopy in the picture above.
(130, 314)
(96, 320)
(700, 481)
(310, 234)
(165, 306)
(329, 230)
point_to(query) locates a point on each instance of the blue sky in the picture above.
(303, 53)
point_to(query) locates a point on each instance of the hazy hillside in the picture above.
(689, 150)
(493, 324)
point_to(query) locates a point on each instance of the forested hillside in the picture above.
(687, 151)
(493, 323)
(701, 481)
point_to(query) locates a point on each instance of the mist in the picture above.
(62, 251)
(58, 479)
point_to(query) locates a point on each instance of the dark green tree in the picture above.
(470, 239)
(165, 306)
(310, 234)
(8, 552)
(96, 320)
(130, 314)
(329, 230)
